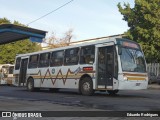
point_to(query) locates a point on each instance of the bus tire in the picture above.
(30, 84)
(86, 86)
(112, 92)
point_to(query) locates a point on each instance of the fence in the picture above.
(154, 67)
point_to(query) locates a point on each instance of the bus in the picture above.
(102, 64)
(6, 74)
(10, 78)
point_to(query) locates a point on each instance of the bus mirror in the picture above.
(119, 50)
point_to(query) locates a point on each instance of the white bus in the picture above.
(102, 64)
(6, 74)
(10, 79)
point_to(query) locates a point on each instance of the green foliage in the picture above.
(9, 51)
(144, 23)
(4, 21)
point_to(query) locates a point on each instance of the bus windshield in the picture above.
(132, 60)
(10, 70)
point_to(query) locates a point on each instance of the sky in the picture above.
(87, 18)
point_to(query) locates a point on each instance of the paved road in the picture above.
(143, 100)
(18, 98)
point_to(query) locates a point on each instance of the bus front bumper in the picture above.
(133, 85)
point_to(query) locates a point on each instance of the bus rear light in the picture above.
(87, 68)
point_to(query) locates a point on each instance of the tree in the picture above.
(9, 51)
(54, 41)
(4, 21)
(144, 22)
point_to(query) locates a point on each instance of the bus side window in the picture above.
(17, 65)
(33, 61)
(57, 58)
(87, 55)
(72, 56)
(44, 60)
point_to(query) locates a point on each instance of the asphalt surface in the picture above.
(19, 99)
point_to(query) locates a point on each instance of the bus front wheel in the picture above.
(30, 85)
(86, 86)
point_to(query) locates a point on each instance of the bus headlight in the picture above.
(125, 78)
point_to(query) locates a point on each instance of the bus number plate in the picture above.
(138, 84)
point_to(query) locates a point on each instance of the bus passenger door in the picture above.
(105, 67)
(23, 71)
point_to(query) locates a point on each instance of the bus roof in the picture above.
(78, 44)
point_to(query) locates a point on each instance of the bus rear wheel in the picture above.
(86, 86)
(30, 84)
(112, 92)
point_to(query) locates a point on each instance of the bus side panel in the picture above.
(59, 77)
(56, 77)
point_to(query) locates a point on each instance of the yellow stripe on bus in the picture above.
(135, 78)
(138, 75)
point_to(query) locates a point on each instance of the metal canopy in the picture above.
(11, 33)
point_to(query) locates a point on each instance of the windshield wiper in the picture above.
(130, 54)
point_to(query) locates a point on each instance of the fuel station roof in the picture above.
(11, 33)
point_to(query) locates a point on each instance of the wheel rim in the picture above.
(30, 86)
(86, 86)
